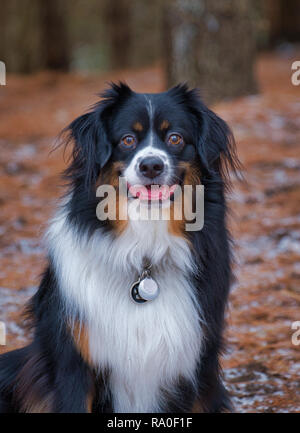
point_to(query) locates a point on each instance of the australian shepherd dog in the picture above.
(129, 314)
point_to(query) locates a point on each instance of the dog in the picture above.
(129, 314)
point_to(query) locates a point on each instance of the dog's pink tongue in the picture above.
(153, 192)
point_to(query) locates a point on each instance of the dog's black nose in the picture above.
(151, 166)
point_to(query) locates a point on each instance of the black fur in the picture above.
(50, 370)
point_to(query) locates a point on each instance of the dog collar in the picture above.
(145, 288)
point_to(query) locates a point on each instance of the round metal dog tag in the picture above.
(148, 289)
(134, 292)
(144, 290)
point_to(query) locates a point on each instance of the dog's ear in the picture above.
(89, 133)
(215, 141)
(216, 145)
(92, 147)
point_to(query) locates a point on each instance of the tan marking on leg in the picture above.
(197, 407)
(81, 341)
(89, 403)
(35, 405)
(30, 388)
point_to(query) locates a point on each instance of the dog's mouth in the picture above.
(155, 191)
(152, 192)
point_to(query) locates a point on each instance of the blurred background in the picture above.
(60, 54)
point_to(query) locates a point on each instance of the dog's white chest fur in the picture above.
(146, 347)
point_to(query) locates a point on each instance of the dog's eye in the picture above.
(176, 141)
(128, 142)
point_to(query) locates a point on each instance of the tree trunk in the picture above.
(118, 22)
(55, 41)
(19, 35)
(284, 20)
(211, 45)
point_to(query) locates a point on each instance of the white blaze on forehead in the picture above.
(132, 171)
(150, 108)
(150, 111)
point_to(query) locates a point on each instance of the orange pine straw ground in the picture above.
(262, 366)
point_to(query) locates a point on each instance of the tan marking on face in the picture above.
(192, 174)
(137, 126)
(191, 177)
(176, 227)
(164, 125)
(110, 176)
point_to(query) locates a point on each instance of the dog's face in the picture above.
(151, 136)
(150, 139)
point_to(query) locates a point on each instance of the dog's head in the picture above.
(150, 138)
(155, 142)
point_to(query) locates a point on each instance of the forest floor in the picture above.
(262, 366)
